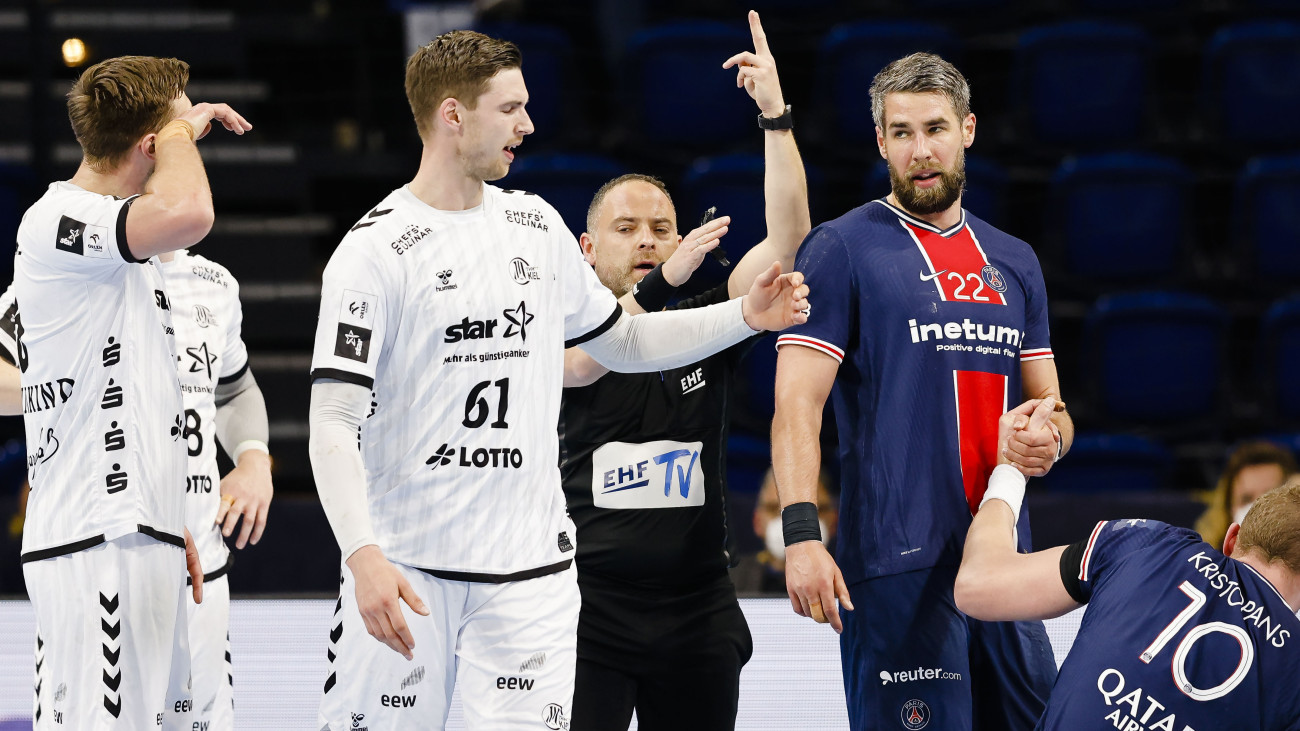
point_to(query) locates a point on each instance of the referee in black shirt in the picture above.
(644, 454)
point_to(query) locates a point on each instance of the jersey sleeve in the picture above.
(354, 315)
(235, 357)
(1087, 562)
(9, 326)
(824, 261)
(1037, 344)
(90, 237)
(589, 307)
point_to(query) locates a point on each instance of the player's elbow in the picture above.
(972, 594)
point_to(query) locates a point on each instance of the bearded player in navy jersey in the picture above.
(1177, 637)
(929, 325)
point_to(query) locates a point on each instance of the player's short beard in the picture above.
(925, 201)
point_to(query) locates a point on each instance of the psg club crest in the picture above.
(993, 278)
(915, 714)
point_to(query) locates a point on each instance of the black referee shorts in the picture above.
(672, 655)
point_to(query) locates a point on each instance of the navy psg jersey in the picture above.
(930, 328)
(1177, 637)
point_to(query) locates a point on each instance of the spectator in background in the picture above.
(1253, 469)
(764, 572)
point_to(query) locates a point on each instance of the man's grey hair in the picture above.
(917, 74)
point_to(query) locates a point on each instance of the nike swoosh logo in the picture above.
(928, 277)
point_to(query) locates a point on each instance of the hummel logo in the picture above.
(927, 277)
(441, 457)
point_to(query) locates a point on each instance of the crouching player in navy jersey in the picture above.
(929, 324)
(1177, 636)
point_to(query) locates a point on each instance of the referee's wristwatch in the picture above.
(784, 121)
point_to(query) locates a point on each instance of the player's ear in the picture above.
(968, 130)
(449, 113)
(588, 245)
(880, 142)
(146, 146)
(1230, 540)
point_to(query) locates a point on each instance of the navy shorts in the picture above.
(913, 661)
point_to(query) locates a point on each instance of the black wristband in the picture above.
(653, 291)
(799, 523)
(783, 121)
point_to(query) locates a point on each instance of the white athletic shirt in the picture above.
(209, 350)
(101, 400)
(457, 322)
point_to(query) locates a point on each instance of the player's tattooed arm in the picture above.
(803, 382)
(995, 582)
(785, 186)
(1033, 451)
(11, 392)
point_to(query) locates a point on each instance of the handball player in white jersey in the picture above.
(104, 551)
(444, 316)
(223, 404)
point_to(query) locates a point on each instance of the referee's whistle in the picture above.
(717, 251)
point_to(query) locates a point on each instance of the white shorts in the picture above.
(511, 647)
(112, 650)
(209, 628)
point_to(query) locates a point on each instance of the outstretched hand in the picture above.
(756, 71)
(691, 251)
(776, 301)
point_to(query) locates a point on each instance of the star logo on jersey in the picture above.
(441, 457)
(69, 239)
(202, 359)
(352, 342)
(915, 715)
(519, 318)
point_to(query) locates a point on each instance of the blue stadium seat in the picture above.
(547, 57)
(1254, 66)
(852, 54)
(1155, 357)
(1119, 217)
(1279, 339)
(1111, 462)
(1082, 83)
(566, 181)
(986, 188)
(686, 99)
(1268, 196)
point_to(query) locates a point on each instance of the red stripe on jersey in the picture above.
(1036, 354)
(1087, 554)
(957, 265)
(814, 343)
(981, 401)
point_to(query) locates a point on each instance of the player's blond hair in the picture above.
(455, 65)
(117, 101)
(917, 74)
(1272, 527)
(593, 210)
